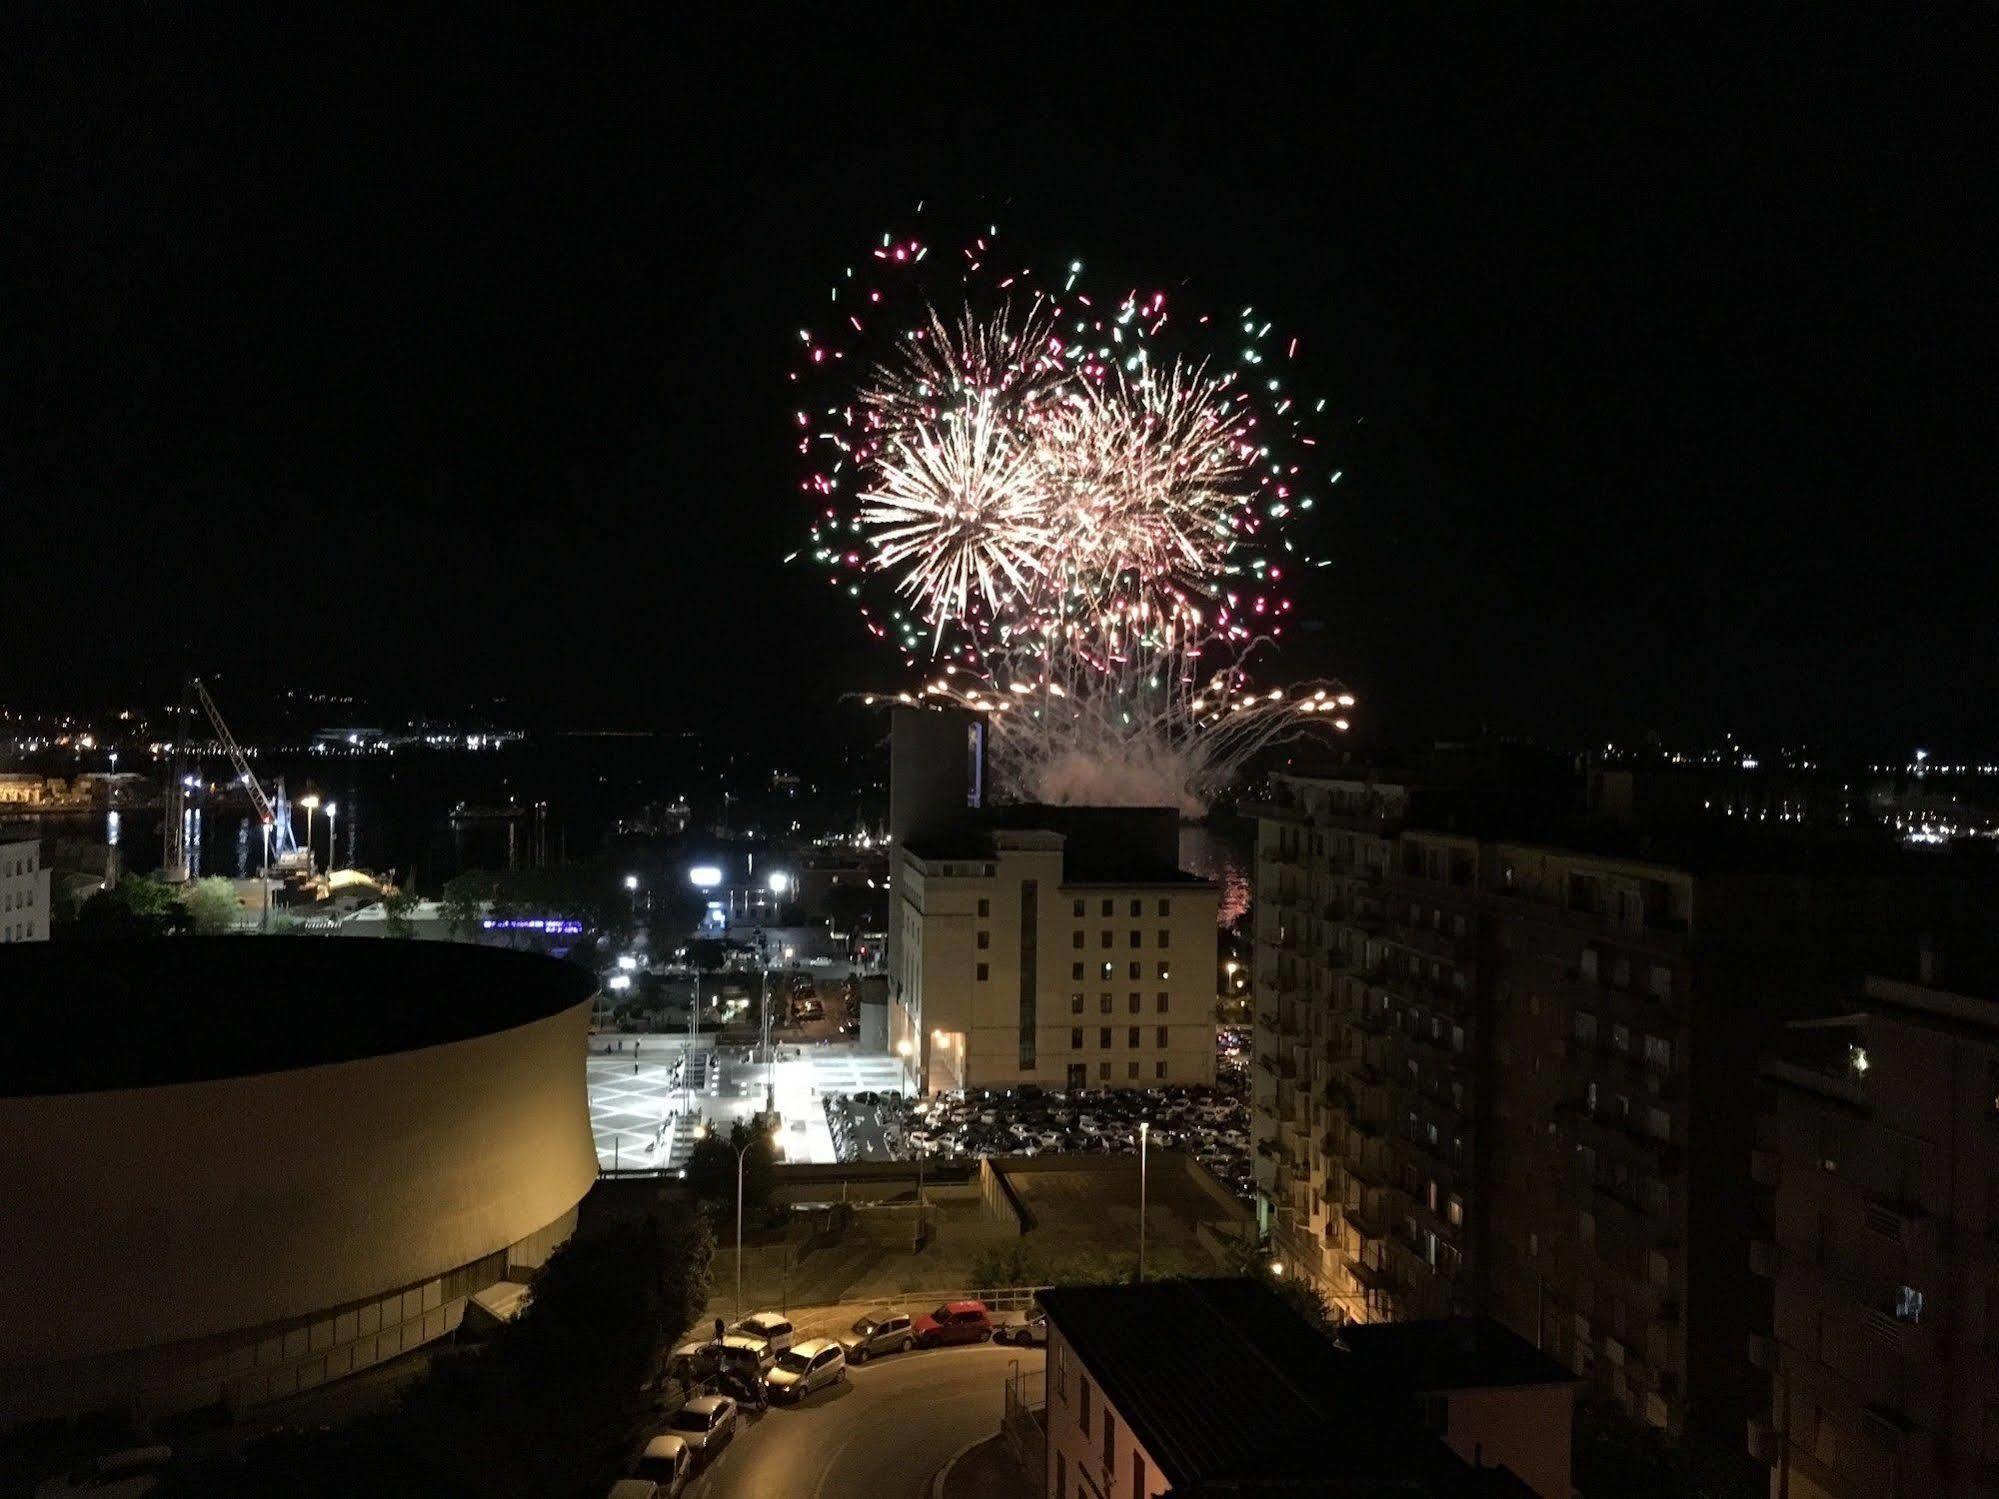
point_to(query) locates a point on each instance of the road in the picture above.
(884, 1431)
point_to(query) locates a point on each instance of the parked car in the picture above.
(1022, 1329)
(953, 1322)
(705, 1424)
(742, 1350)
(808, 1366)
(881, 1331)
(666, 1463)
(773, 1328)
(808, 1009)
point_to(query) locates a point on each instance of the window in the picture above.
(985, 907)
(1104, 1038)
(1076, 1002)
(1076, 971)
(1103, 1004)
(1131, 1071)
(1137, 908)
(1659, 1124)
(1165, 909)
(1106, 937)
(1134, 970)
(1585, 1028)
(1107, 910)
(1137, 938)
(1620, 1037)
(1105, 970)
(985, 940)
(985, 972)
(1078, 910)
(1110, 1440)
(1076, 938)
(1165, 971)
(1908, 1304)
(1161, 1030)
(1131, 1036)
(1131, 1003)
(1137, 1474)
(1159, 1070)
(1165, 937)
(1075, 1038)
(1103, 1072)
(1162, 1001)
(1083, 1402)
(1061, 1477)
(1658, 1053)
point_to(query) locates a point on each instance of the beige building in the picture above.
(1069, 958)
(276, 1164)
(24, 892)
(1876, 1147)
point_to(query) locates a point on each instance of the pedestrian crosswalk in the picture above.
(856, 1072)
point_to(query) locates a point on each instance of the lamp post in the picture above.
(310, 801)
(264, 921)
(332, 840)
(742, 1151)
(1144, 1130)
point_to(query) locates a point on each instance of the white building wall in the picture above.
(961, 1005)
(1077, 1419)
(24, 892)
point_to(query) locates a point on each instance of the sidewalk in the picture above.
(987, 1471)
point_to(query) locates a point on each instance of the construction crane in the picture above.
(175, 866)
(261, 802)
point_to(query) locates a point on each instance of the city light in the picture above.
(779, 882)
(631, 882)
(704, 876)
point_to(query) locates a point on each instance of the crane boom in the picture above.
(236, 757)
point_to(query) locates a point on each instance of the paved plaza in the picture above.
(643, 1123)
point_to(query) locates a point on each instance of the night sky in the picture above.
(449, 362)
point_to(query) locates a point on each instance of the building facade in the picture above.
(1510, 1076)
(1022, 957)
(1878, 1153)
(24, 892)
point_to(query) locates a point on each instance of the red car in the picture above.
(953, 1322)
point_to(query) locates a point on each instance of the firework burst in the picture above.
(1084, 529)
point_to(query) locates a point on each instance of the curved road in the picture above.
(885, 1430)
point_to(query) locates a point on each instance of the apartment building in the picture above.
(1511, 1076)
(24, 892)
(1367, 1036)
(1071, 955)
(1877, 1153)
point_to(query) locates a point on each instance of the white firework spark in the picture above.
(959, 507)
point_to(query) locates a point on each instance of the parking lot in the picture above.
(1209, 1123)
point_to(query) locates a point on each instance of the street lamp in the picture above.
(310, 801)
(1144, 1129)
(749, 1139)
(332, 840)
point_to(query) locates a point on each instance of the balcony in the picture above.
(1763, 1352)
(1764, 1258)
(1765, 1443)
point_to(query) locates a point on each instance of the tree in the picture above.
(396, 908)
(212, 905)
(711, 1169)
(464, 902)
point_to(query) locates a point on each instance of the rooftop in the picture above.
(91, 1016)
(1102, 845)
(1267, 1398)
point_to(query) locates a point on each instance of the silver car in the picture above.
(667, 1461)
(880, 1331)
(705, 1423)
(805, 1367)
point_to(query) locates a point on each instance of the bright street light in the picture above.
(779, 882)
(704, 876)
(332, 842)
(310, 801)
(631, 882)
(1144, 1130)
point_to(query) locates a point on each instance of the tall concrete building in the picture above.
(24, 892)
(1511, 1076)
(1058, 946)
(1877, 1153)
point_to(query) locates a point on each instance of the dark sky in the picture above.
(443, 357)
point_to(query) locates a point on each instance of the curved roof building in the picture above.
(233, 1169)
